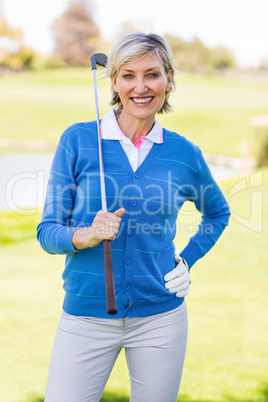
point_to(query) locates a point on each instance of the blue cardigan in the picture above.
(143, 251)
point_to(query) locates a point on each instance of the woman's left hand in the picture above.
(178, 280)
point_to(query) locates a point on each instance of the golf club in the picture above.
(101, 60)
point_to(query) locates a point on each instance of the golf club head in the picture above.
(98, 58)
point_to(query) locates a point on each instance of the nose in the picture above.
(140, 86)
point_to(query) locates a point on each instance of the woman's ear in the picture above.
(114, 84)
(169, 81)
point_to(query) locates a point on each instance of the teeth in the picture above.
(144, 100)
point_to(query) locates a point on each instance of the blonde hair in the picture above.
(135, 46)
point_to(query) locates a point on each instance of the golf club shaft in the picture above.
(102, 180)
(108, 263)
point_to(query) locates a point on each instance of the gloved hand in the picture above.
(178, 280)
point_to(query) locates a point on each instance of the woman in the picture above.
(149, 172)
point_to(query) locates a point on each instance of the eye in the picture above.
(152, 75)
(128, 76)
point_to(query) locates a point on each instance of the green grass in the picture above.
(212, 111)
(227, 354)
(41, 105)
(17, 227)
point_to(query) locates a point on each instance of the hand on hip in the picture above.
(178, 280)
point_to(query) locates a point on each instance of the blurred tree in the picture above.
(128, 27)
(13, 53)
(74, 33)
(10, 41)
(220, 58)
(193, 56)
(23, 58)
(190, 56)
(11, 35)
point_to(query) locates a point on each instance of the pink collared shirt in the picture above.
(137, 152)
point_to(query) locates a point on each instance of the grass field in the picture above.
(212, 111)
(227, 355)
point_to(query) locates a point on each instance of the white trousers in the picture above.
(86, 348)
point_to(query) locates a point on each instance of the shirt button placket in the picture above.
(130, 233)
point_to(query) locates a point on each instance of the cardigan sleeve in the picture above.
(53, 232)
(210, 201)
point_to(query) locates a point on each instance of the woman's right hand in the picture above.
(105, 226)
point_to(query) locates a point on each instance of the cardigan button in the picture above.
(128, 311)
(130, 232)
(127, 286)
(136, 175)
(133, 203)
(127, 261)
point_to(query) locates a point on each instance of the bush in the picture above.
(24, 58)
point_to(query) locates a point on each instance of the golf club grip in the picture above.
(109, 278)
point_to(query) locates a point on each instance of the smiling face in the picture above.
(142, 85)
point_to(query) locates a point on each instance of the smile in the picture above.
(142, 100)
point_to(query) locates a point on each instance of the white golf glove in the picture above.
(178, 280)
